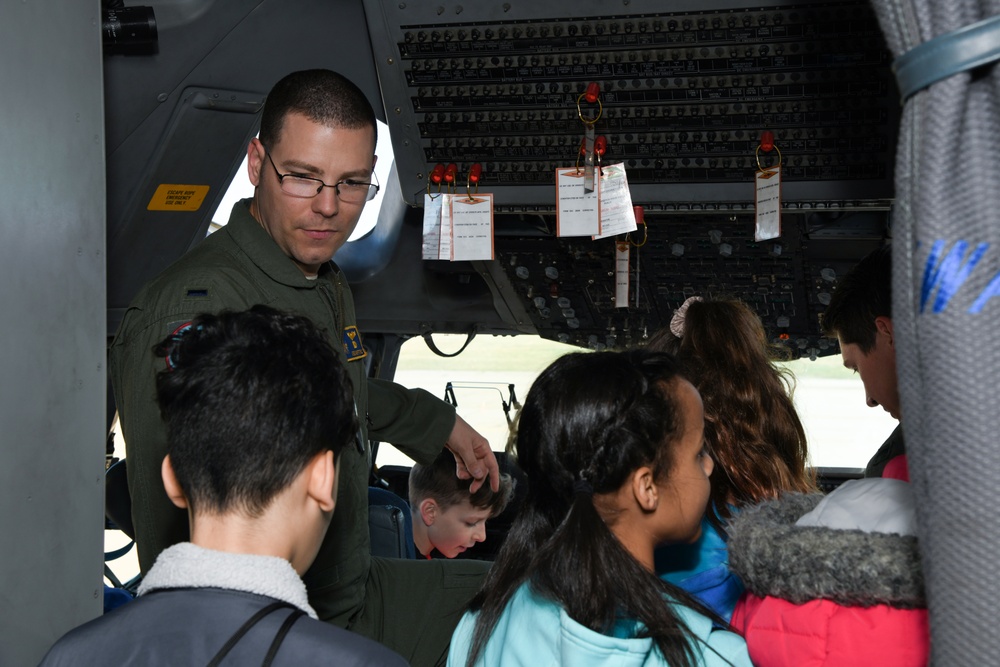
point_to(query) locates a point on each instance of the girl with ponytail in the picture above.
(612, 446)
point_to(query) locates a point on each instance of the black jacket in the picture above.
(189, 626)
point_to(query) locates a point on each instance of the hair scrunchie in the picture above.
(582, 487)
(677, 321)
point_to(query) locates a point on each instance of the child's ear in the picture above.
(322, 480)
(644, 488)
(883, 325)
(429, 511)
(170, 483)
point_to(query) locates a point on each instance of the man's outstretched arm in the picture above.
(474, 459)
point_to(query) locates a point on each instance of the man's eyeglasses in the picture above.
(349, 190)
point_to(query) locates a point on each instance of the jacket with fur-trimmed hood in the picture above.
(832, 580)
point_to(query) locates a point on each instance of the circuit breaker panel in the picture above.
(684, 96)
(566, 287)
(687, 91)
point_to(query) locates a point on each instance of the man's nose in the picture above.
(327, 203)
(872, 403)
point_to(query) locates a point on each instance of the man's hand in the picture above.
(473, 457)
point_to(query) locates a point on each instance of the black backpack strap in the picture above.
(280, 637)
(238, 635)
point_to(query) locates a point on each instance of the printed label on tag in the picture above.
(578, 213)
(621, 274)
(768, 204)
(431, 247)
(352, 344)
(588, 158)
(472, 227)
(445, 250)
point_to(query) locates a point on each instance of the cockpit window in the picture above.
(480, 379)
(841, 430)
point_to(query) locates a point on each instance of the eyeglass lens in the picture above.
(350, 191)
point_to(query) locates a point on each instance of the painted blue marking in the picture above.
(948, 274)
(992, 290)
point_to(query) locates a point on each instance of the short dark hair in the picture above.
(863, 294)
(249, 398)
(320, 95)
(437, 480)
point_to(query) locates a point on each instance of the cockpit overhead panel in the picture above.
(685, 96)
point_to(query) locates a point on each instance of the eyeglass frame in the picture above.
(373, 188)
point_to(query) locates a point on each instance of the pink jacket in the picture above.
(820, 596)
(780, 633)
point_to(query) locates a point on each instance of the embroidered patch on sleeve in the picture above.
(352, 344)
(178, 326)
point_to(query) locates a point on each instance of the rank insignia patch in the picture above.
(352, 344)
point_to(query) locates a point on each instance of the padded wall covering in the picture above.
(946, 270)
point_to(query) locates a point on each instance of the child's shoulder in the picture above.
(716, 647)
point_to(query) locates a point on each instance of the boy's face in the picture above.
(457, 528)
(877, 368)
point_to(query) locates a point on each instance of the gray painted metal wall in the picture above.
(52, 291)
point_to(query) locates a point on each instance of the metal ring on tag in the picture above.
(778, 166)
(579, 111)
(645, 237)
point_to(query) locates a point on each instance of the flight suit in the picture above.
(233, 269)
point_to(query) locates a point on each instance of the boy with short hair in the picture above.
(447, 520)
(258, 409)
(860, 316)
(837, 579)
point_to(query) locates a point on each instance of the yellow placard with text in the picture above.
(173, 197)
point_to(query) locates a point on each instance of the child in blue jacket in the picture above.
(751, 429)
(612, 445)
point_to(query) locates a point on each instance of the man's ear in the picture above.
(321, 475)
(883, 325)
(644, 488)
(255, 160)
(429, 511)
(170, 483)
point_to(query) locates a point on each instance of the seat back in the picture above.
(118, 516)
(389, 525)
(117, 500)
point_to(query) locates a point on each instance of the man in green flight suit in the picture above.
(312, 168)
